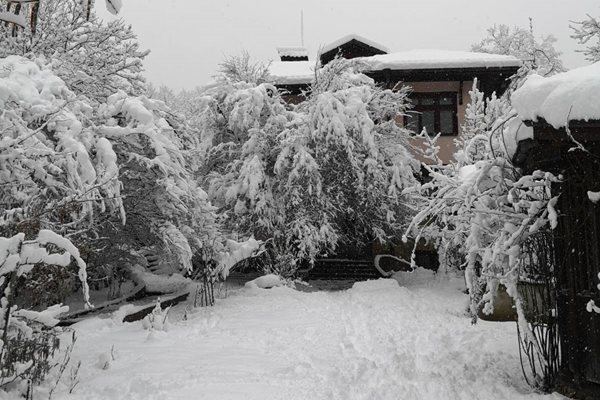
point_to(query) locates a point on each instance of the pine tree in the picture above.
(469, 144)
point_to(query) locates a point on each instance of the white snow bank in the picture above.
(160, 283)
(123, 311)
(387, 344)
(515, 131)
(265, 282)
(348, 38)
(432, 58)
(417, 277)
(375, 285)
(292, 72)
(568, 96)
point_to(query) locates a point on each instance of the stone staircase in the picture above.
(342, 269)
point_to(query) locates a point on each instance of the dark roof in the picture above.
(354, 47)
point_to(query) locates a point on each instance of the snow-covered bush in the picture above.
(48, 177)
(329, 172)
(156, 169)
(157, 320)
(116, 177)
(347, 161)
(481, 115)
(26, 345)
(482, 207)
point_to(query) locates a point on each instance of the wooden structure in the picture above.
(575, 155)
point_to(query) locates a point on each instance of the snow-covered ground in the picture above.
(407, 338)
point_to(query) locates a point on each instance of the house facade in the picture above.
(440, 80)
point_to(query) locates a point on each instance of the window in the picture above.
(435, 112)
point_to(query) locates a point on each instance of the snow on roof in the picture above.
(292, 52)
(430, 58)
(571, 95)
(301, 72)
(347, 38)
(292, 72)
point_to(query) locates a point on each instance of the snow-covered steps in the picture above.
(343, 269)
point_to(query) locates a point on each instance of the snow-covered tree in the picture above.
(163, 93)
(538, 55)
(327, 173)
(162, 200)
(239, 124)
(482, 208)
(481, 114)
(242, 69)
(94, 57)
(48, 178)
(117, 177)
(474, 126)
(587, 32)
(25, 14)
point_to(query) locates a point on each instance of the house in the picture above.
(440, 79)
(440, 82)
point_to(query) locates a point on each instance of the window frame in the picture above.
(417, 110)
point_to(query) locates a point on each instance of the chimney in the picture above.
(292, 53)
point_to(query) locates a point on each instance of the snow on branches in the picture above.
(47, 175)
(24, 346)
(329, 171)
(482, 208)
(586, 31)
(85, 171)
(93, 57)
(538, 55)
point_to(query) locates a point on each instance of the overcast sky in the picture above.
(189, 38)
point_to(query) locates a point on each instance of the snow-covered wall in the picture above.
(446, 143)
(292, 72)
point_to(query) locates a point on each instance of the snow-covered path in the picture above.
(378, 340)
